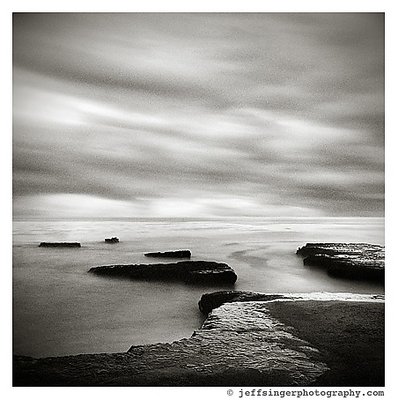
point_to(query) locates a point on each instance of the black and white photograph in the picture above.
(198, 200)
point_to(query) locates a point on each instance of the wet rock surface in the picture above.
(187, 271)
(170, 254)
(59, 244)
(360, 261)
(241, 343)
(242, 337)
(349, 336)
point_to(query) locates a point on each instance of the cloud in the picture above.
(266, 114)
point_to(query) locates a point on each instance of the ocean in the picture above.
(60, 309)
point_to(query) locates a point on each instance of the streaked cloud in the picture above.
(198, 114)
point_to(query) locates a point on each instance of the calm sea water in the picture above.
(59, 309)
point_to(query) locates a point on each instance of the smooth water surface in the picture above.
(60, 309)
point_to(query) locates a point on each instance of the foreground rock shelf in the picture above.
(187, 271)
(291, 340)
(347, 260)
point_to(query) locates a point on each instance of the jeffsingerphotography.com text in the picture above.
(302, 393)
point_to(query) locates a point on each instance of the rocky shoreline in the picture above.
(246, 339)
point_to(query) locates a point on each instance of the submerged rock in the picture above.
(187, 271)
(346, 260)
(170, 254)
(59, 244)
(112, 240)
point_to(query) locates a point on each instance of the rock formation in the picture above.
(112, 240)
(187, 271)
(170, 254)
(209, 301)
(59, 244)
(346, 260)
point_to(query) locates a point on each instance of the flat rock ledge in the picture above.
(210, 301)
(361, 261)
(186, 271)
(59, 244)
(241, 343)
(170, 254)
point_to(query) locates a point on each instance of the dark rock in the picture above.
(361, 261)
(170, 254)
(340, 249)
(112, 240)
(209, 301)
(59, 244)
(318, 260)
(187, 271)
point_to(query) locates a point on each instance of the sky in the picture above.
(198, 115)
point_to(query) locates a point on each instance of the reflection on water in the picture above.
(61, 309)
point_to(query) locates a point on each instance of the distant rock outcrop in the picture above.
(170, 254)
(112, 240)
(187, 271)
(346, 260)
(60, 244)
